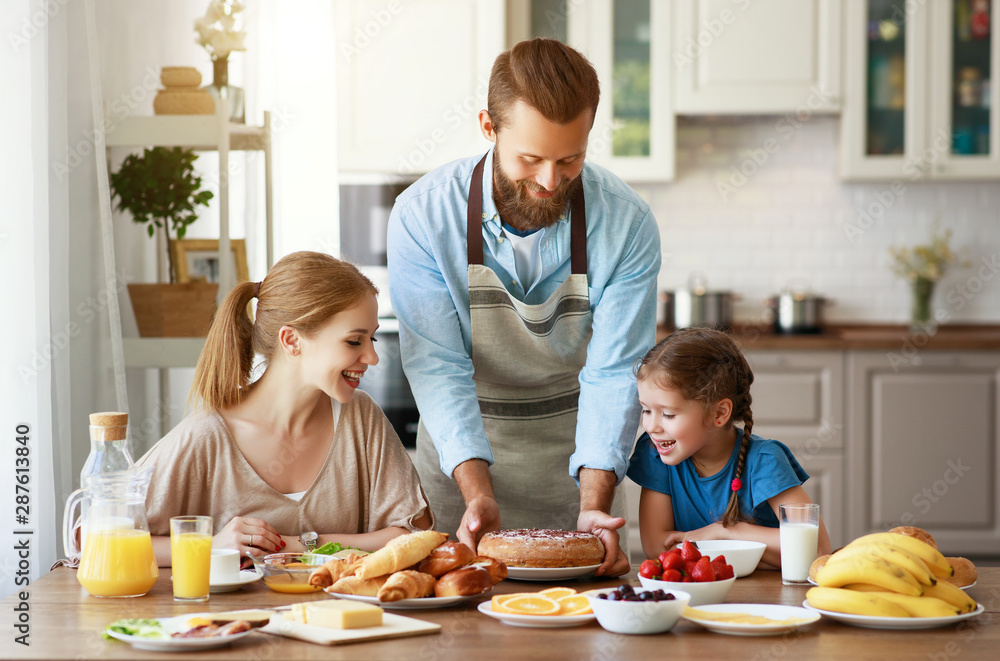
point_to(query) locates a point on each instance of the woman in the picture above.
(299, 449)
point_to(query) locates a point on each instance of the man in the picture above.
(524, 283)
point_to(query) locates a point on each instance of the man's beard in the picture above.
(519, 209)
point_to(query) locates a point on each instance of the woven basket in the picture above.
(179, 310)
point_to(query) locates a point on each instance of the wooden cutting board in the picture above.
(393, 626)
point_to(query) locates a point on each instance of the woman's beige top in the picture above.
(367, 482)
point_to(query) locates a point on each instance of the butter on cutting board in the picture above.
(338, 614)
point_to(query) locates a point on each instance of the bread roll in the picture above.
(816, 565)
(400, 553)
(365, 587)
(407, 584)
(445, 558)
(496, 569)
(965, 572)
(918, 533)
(463, 582)
(332, 571)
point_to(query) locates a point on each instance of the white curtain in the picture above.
(56, 334)
(30, 278)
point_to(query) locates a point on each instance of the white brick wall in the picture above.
(787, 223)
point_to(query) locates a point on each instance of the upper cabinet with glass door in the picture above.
(919, 100)
(628, 42)
(965, 57)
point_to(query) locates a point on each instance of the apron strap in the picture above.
(474, 217)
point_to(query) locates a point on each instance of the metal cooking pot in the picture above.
(696, 306)
(797, 312)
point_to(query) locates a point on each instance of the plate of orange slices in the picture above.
(554, 607)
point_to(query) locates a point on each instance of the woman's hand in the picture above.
(250, 536)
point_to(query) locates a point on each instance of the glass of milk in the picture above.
(799, 537)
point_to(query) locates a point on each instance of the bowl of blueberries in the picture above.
(627, 610)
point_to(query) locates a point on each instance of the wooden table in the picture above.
(66, 623)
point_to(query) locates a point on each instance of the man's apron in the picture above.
(527, 361)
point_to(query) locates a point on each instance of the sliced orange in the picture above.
(531, 604)
(558, 593)
(574, 604)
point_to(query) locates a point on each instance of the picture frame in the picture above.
(197, 260)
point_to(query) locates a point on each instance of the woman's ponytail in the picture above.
(223, 370)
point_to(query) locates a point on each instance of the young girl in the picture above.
(701, 477)
(299, 449)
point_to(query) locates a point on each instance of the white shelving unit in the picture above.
(201, 133)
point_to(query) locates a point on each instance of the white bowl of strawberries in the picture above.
(708, 580)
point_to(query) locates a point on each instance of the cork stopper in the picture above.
(108, 426)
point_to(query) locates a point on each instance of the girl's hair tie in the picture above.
(736, 484)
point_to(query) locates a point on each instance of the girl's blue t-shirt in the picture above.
(699, 501)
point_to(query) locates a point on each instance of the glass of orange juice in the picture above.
(191, 556)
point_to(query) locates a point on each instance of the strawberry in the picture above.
(672, 575)
(650, 569)
(718, 562)
(672, 560)
(724, 573)
(689, 567)
(689, 551)
(703, 572)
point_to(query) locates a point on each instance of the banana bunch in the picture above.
(888, 575)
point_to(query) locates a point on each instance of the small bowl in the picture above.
(638, 617)
(289, 572)
(701, 593)
(742, 555)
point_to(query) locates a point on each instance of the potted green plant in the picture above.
(161, 189)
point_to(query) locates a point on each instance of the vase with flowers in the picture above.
(218, 35)
(923, 266)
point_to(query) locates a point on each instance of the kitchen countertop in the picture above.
(841, 337)
(66, 623)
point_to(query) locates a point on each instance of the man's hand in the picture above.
(482, 515)
(606, 528)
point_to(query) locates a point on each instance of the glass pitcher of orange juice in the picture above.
(117, 555)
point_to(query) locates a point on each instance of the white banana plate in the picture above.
(548, 573)
(870, 622)
(771, 611)
(538, 621)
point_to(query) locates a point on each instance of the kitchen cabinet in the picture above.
(924, 433)
(411, 79)
(629, 44)
(768, 56)
(919, 99)
(798, 399)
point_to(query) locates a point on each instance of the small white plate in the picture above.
(171, 625)
(774, 612)
(411, 604)
(870, 622)
(247, 576)
(539, 621)
(548, 573)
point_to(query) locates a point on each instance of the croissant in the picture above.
(332, 571)
(401, 552)
(407, 584)
(365, 587)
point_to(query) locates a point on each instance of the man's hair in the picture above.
(547, 75)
